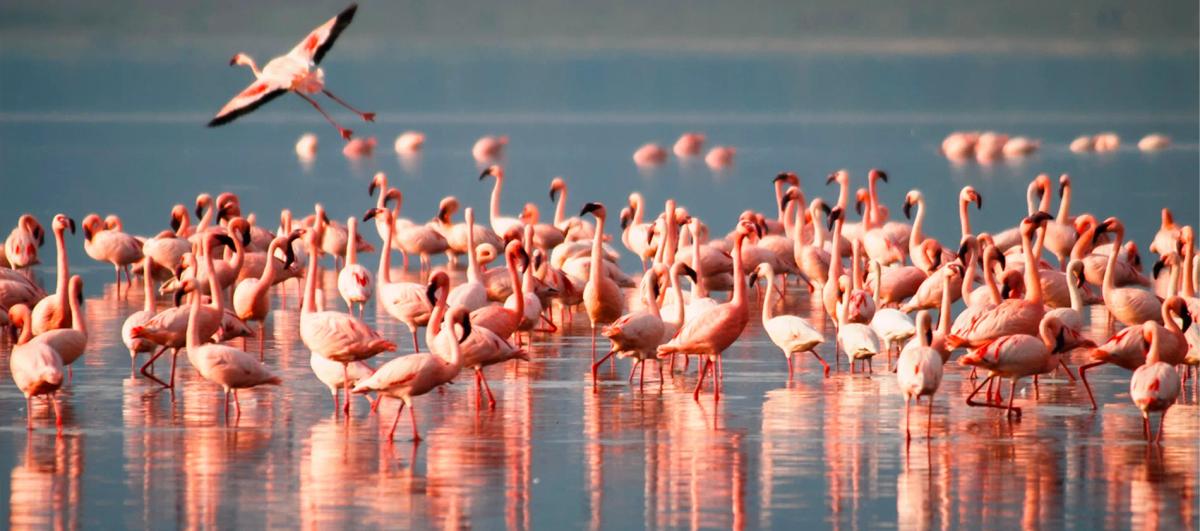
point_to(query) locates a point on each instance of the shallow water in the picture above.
(555, 453)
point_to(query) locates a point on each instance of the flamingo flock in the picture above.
(1022, 295)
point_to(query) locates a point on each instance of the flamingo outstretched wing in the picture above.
(253, 97)
(314, 47)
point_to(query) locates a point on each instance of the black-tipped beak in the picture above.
(175, 223)
(325, 218)
(589, 208)
(224, 239)
(289, 255)
(431, 292)
(179, 293)
(1186, 317)
(1062, 187)
(782, 176)
(825, 208)
(370, 214)
(371, 188)
(87, 233)
(962, 253)
(1005, 291)
(829, 180)
(881, 174)
(783, 203)
(978, 201)
(554, 194)
(753, 277)
(71, 224)
(1040, 217)
(858, 207)
(1158, 266)
(486, 172)
(907, 209)
(834, 215)
(1060, 341)
(233, 60)
(691, 273)
(199, 210)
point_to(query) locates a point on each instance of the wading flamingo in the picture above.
(602, 298)
(53, 312)
(790, 333)
(919, 370)
(1154, 386)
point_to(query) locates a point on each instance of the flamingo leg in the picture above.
(593, 348)
(368, 116)
(596, 366)
(486, 387)
(29, 413)
(337, 399)
(150, 363)
(929, 420)
(823, 364)
(346, 133)
(1162, 419)
(971, 398)
(416, 347)
(395, 421)
(262, 332)
(412, 414)
(704, 363)
(632, 371)
(174, 357)
(1146, 426)
(346, 387)
(1012, 393)
(791, 370)
(58, 415)
(1083, 378)
(226, 406)
(907, 432)
(237, 406)
(1063, 363)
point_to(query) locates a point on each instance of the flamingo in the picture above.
(858, 305)
(471, 294)
(636, 234)
(482, 349)
(979, 326)
(1060, 232)
(637, 334)
(21, 246)
(330, 373)
(407, 377)
(228, 367)
(411, 238)
(502, 225)
(141, 317)
(489, 148)
(602, 297)
(857, 339)
(456, 234)
(710, 333)
(354, 281)
(69, 343)
(169, 328)
(405, 301)
(783, 199)
(919, 370)
(790, 333)
(1128, 305)
(574, 228)
(967, 196)
(689, 145)
(1037, 199)
(1167, 235)
(337, 336)
(811, 257)
(649, 154)
(1154, 386)
(409, 142)
(720, 157)
(53, 312)
(545, 235)
(918, 250)
(1015, 356)
(502, 320)
(252, 296)
(295, 72)
(38, 371)
(110, 245)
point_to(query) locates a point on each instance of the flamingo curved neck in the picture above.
(1033, 281)
(1110, 282)
(518, 286)
(943, 326)
(77, 321)
(560, 209)
(739, 273)
(1064, 207)
(60, 244)
(474, 273)
(916, 236)
(769, 300)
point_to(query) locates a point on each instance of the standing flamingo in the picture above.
(790, 333)
(404, 301)
(69, 343)
(110, 245)
(140, 318)
(500, 319)
(919, 370)
(21, 246)
(710, 333)
(295, 72)
(471, 294)
(38, 371)
(638, 334)
(1154, 386)
(1015, 356)
(53, 312)
(407, 377)
(502, 225)
(1130, 306)
(252, 296)
(354, 281)
(602, 297)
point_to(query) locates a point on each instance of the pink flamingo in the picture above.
(1128, 305)
(650, 154)
(69, 343)
(38, 371)
(1154, 386)
(21, 246)
(252, 296)
(602, 298)
(504, 321)
(53, 312)
(1060, 232)
(482, 349)
(338, 336)
(503, 225)
(405, 301)
(790, 333)
(720, 157)
(407, 377)
(919, 370)
(140, 318)
(637, 334)
(410, 142)
(710, 333)
(294, 72)
(489, 148)
(1127, 349)
(354, 281)
(574, 228)
(689, 145)
(228, 367)
(1016, 356)
(979, 326)
(330, 373)
(112, 246)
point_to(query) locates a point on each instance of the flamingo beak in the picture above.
(370, 214)
(553, 193)
(882, 175)
(179, 296)
(431, 292)
(71, 224)
(829, 180)
(962, 252)
(1186, 317)
(907, 209)
(978, 201)
(1040, 217)
(1158, 266)
(372, 187)
(487, 171)
(589, 208)
(691, 273)
(466, 326)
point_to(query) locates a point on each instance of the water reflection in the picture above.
(46, 484)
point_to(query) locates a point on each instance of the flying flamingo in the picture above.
(790, 333)
(296, 72)
(53, 312)
(20, 248)
(338, 336)
(602, 298)
(919, 370)
(354, 281)
(407, 377)
(710, 333)
(1154, 386)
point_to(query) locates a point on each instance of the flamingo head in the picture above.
(969, 195)
(792, 194)
(861, 198)
(834, 215)
(877, 174)
(439, 281)
(378, 182)
(202, 201)
(1064, 183)
(494, 170)
(557, 185)
(446, 208)
(62, 222)
(595, 209)
(910, 199)
(787, 177)
(91, 225)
